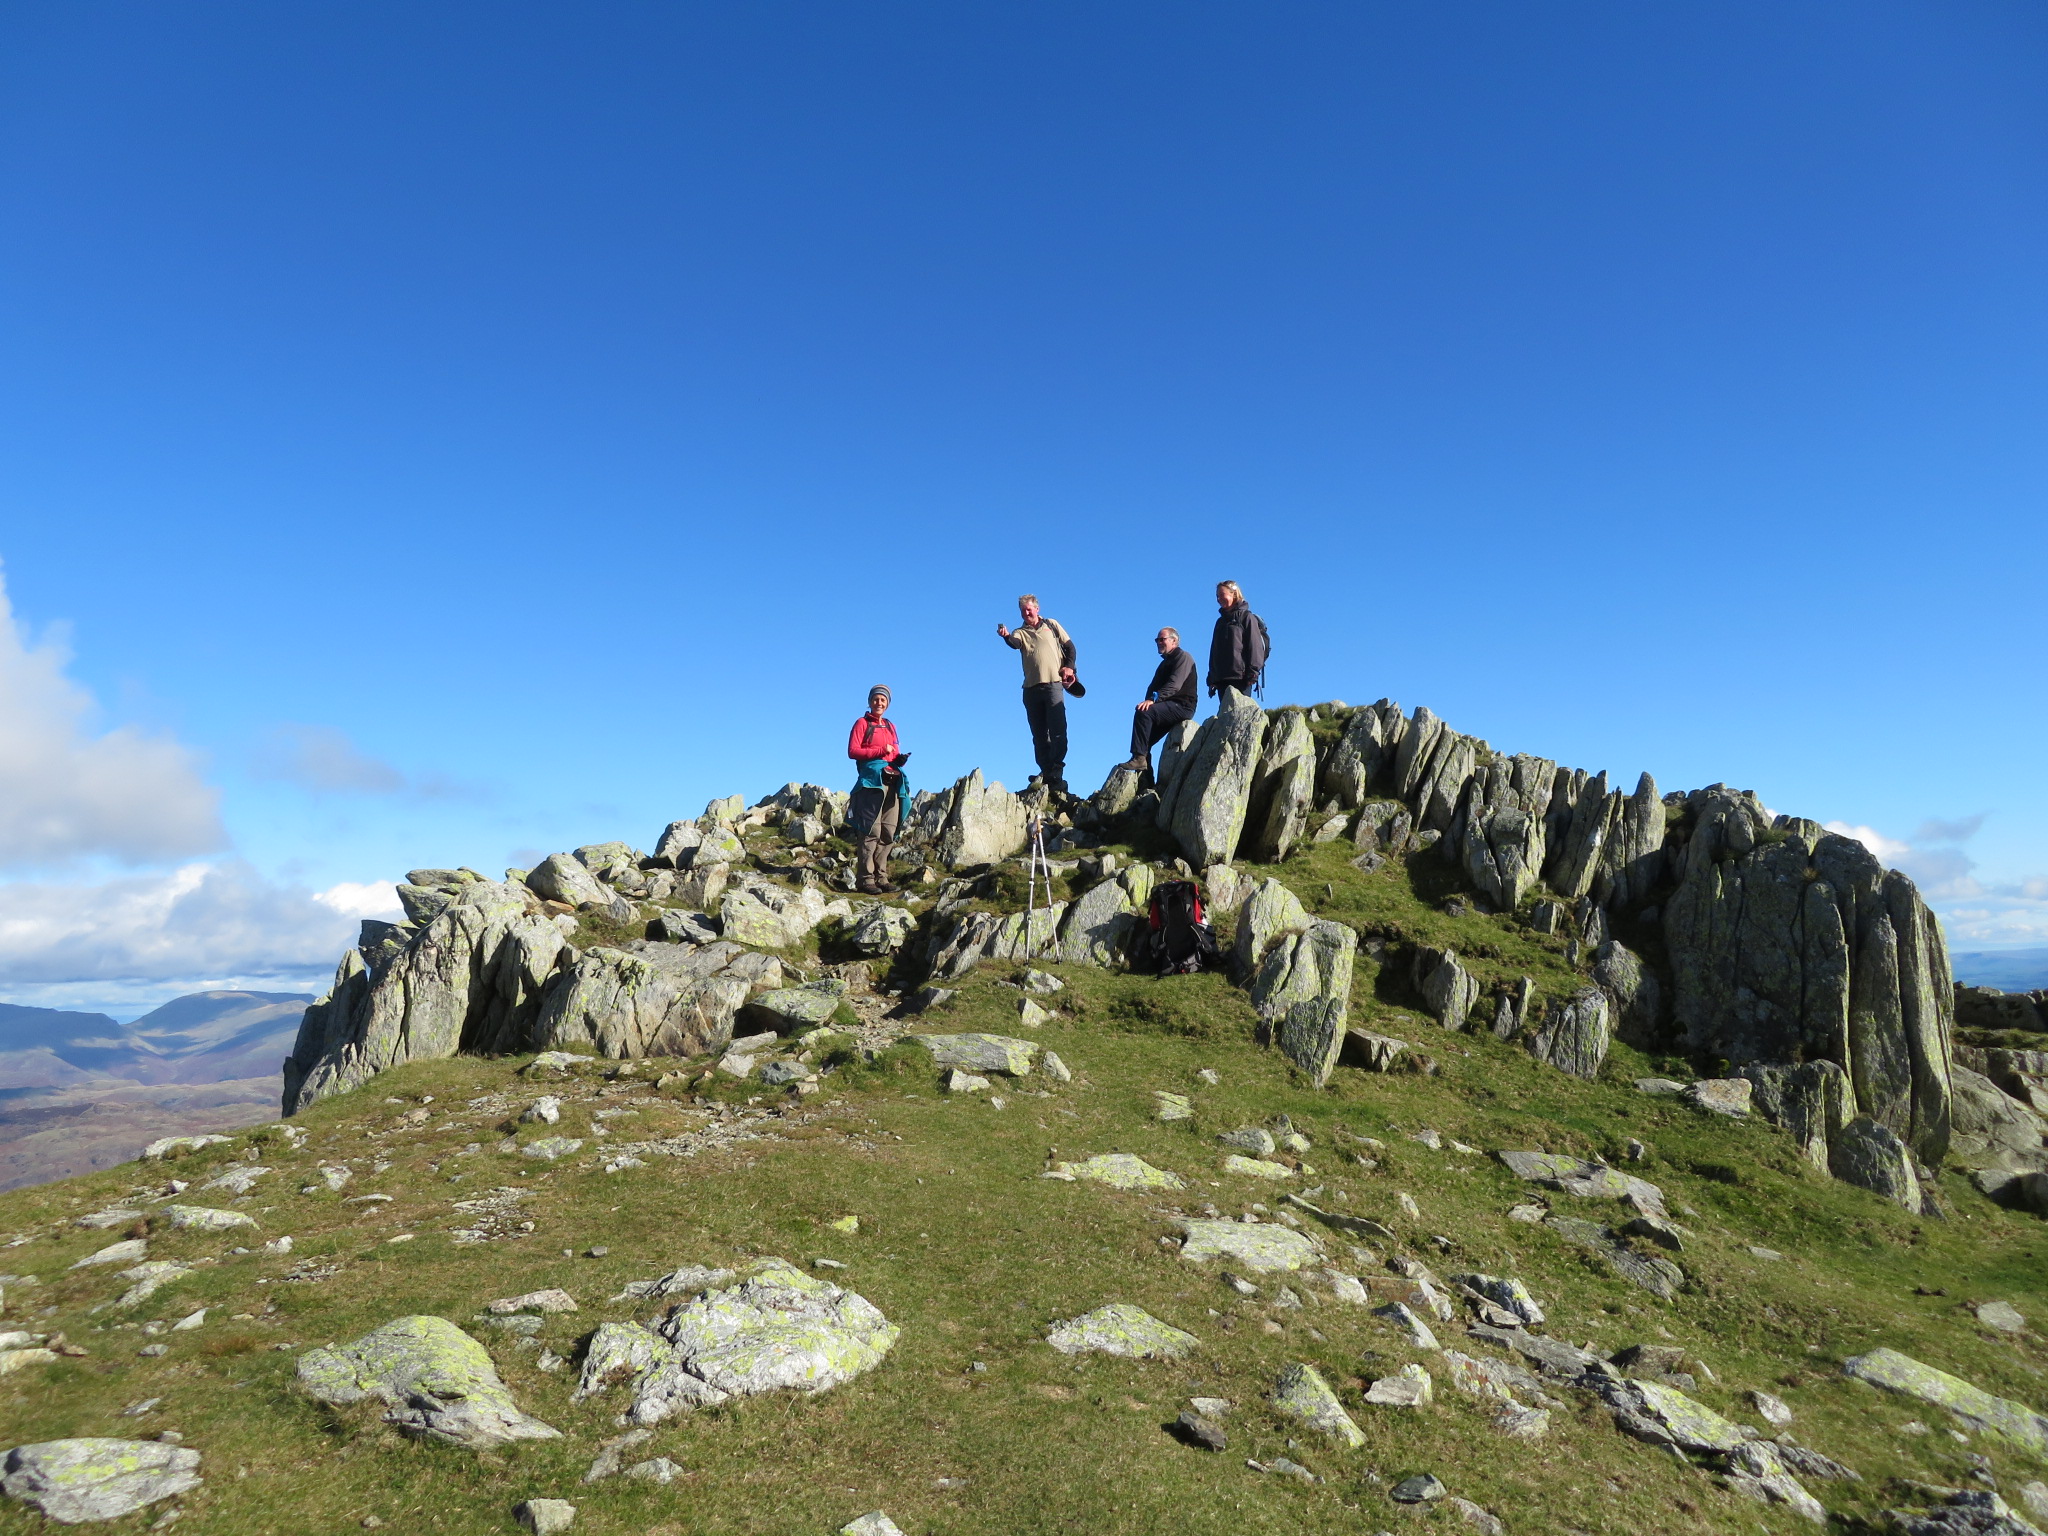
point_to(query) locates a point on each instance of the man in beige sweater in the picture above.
(1048, 671)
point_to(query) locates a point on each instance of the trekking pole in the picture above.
(1031, 845)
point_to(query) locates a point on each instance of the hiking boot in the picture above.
(884, 889)
(867, 888)
(1137, 763)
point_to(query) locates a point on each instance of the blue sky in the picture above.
(447, 433)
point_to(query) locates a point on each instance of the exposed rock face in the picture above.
(438, 1381)
(1096, 928)
(1302, 992)
(1205, 805)
(564, 878)
(1283, 789)
(1358, 761)
(772, 916)
(1789, 948)
(1302, 1394)
(666, 1001)
(1635, 996)
(75, 1481)
(1980, 1410)
(471, 979)
(1993, 1129)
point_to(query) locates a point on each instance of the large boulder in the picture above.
(1871, 1156)
(439, 1383)
(1098, 923)
(1358, 759)
(666, 1001)
(1994, 1130)
(979, 824)
(1449, 991)
(1283, 789)
(777, 1329)
(1811, 1100)
(1575, 1035)
(1204, 807)
(471, 979)
(2014, 1423)
(1303, 995)
(565, 878)
(76, 1481)
(1269, 914)
(769, 916)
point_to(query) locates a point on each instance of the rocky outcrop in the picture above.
(1096, 927)
(470, 980)
(1791, 944)
(1449, 991)
(1812, 1100)
(1205, 800)
(968, 824)
(76, 1481)
(1872, 1156)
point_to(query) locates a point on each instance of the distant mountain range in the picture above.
(2009, 970)
(79, 1091)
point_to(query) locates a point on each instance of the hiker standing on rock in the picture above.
(1238, 649)
(1048, 675)
(1169, 700)
(880, 802)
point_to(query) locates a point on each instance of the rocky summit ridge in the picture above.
(1542, 1156)
(1761, 946)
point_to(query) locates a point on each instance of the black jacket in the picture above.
(1237, 652)
(1175, 679)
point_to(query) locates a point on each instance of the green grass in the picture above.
(974, 1255)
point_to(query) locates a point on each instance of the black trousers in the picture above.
(1148, 725)
(1045, 706)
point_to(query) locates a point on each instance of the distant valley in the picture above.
(79, 1092)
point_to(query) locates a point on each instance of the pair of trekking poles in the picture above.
(1040, 866)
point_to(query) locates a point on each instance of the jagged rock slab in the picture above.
(439, 1382)
(1270, 913)
(75, 1481)
(1121, 1329)
(2010, 1421)
(1508, 1294)
(778, 1329)
(1302, 992)
(1575, 1034)
(1302, 1394)
(1449, 990)
(1588, 1181)
(1283, 788)
(1119, 1170)
(981, 1053)
(1204, 804)
(1096, 927)
(1256, 1167)
(1652, 1411)
(1260, 1246)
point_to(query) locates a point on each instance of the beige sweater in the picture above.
(1046, 649)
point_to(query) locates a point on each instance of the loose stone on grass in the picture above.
(1257, 1246)
(74, 1481)
(200, 1218)
(1256, 1168)
(545, 1517)
(117, 1253)
(1301, 1393)
(550, 1300)
(874, 1523)
(1119, 1170)
(981, 1053)
(1409, 1387)
(549, 1148)
(1121, 1329)
(1171, 1106)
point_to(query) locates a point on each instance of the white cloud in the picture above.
(378, 898)
(1973, 914)
(198, 920)
(66, 793)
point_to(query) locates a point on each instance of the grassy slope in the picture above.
(964, 1246)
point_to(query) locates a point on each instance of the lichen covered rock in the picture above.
(439, 1382)
(75, 1481)
(1121, 1329)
